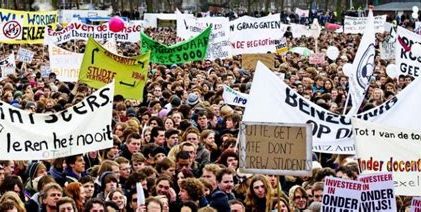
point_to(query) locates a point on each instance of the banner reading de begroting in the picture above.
(20, 27)
(256, 35)
(81, 31)
(381, 194)
(79, 129)
(406, 61)
(387, 149)
(342, 194)
(355, 25)
(233, 97)
(100, 66)
(219, 44)
(187, 51)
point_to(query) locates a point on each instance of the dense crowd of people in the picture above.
(180, 142)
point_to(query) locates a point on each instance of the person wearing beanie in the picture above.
(35, 171)
(109, 182)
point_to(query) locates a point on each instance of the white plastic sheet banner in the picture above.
(406, 61)
(233, 97)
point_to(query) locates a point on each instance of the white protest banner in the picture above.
(67, 16)
(7, 66)
(81, 31)
(301, 13)
(415, 204)
(299, 30)
(233, 97)
(276, 149)
(363, 65)
(25, 55)
(316, 58)
(219, 44)
(341, 194)
(387, 47)
(355, 25)
(380, 196)
(65, 64)
(387, 149)
(45, 71)
(79, 129)
(408, 63)
(256, 35)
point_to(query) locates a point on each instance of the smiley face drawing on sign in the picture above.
(365, 67)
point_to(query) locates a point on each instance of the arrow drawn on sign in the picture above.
(127, 84)
(93, 55)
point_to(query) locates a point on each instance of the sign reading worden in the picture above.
(277, 149)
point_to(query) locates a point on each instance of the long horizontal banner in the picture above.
(20, 27)
(81, 128)
(81, 31)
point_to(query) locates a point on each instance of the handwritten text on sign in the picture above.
(271, 147)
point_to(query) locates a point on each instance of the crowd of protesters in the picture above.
(180, 142)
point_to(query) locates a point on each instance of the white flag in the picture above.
(362, 67)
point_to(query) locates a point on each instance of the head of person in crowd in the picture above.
(259, 193)
(111, 206)
(2, 175)
(109, 182)
(229, 159)
(13, 183)
(113, 152)
(207, 137)
(164, 186)
(191, 189)
(88, 185)
(154, 204)
(75, 191)
(125, 168)
(183, 174)
(132, 144)
(298, 197)
(95, 205)
(225, 180)
(317, 191)
(12, 196)
(172, 137)
(117, 196)
(8, 167)
(283, 204)
(236, 206)
(35, 171)
(169, 123)
(158, 136)
(51, 194)
(209, 174)
(155, 121)
(75, 167)
(66, 204)
(138, 161)
(166, 166)
(109, 166)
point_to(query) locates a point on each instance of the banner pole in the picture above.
(279, 193)
(346, 103)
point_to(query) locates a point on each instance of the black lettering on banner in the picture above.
(103, 94)
(33, 33)
(78, 110)
(377, 200)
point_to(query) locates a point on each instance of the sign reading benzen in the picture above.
(277, 149)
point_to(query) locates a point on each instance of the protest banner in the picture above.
(20, 27)
(79, 129)
(276, 149)
(67, 16)
(233, 97)
(65, 64)
(219, 44)
(45, 70)
(396, 151)
(7, 66)
(249, 61)
(25, 55)
(251, 35)
(317, 58)
(100, 66)
(381, 195)
(342, 194)
(355, 25)
(282, 47)
(408, 63)
(415, 204)
(387, 47)
(183, 52)
(81, 31)
(301, 13)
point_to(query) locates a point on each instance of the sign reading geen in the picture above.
(183, 52)
(415, 204)
(81, 31)
(25, 55)
(19, 27)
(355, 25)
(233, 97)
(277, 149)
(219, 44)
(381, 195)
(385, 149)
(81, 128)
(342, 195)
(407, 62)
(256, 35)
(249, 61)
(100, 66)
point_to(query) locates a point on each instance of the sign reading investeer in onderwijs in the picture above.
(277, 149)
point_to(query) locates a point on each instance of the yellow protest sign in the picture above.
(20, 27)
(100, 67)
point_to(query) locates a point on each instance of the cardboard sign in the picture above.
(317, 58)
(187, 51)
(101, 66)
(355, 25)
(276, 149)
(381, 195)
(386, 149)
(249, 61)
(25, 55)
(415, 204)
(79, 129)
(342, 195)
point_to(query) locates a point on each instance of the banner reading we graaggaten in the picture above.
(19, 27)
(81, 128)
(100, 66)
(187, 51)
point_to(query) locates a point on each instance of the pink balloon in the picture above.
(332, 27)
(116, 24)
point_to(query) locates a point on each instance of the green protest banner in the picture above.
(100, 67)
(186, 51)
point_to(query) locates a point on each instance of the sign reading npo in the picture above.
(277, 149)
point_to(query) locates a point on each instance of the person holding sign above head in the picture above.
(259, 194)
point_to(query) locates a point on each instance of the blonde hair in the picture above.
(13, 196)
